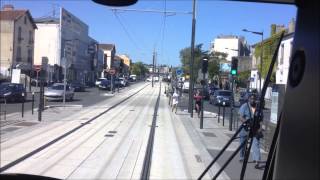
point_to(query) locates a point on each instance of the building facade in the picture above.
(109, 52)
(283, 59)
(17, 40)
(64, 40)
(47, 44)
(233, 46)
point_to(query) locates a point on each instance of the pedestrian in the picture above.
(175, 101)
(246, 113)
(198, 99)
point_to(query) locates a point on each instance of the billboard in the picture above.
(225, 67)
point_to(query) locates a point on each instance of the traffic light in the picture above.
(205, 65)
(234, 66)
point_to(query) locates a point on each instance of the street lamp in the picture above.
(261, 53)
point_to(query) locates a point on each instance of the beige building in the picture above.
(126, 64)
(17, 40)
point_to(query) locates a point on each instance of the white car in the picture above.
(55, 92)
(123, 82)
(98, 81)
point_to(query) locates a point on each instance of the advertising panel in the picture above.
(225, 67)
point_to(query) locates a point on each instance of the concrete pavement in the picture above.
(113, 146)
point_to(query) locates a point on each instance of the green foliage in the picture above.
(139, 69)
(269, 46)
(273, 29)
(243, 78)
(213, 69)
(185, 57)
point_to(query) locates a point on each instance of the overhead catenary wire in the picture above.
(126, 31)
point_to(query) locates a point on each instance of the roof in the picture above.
(47, 20)
(13, 15)
(107, 46)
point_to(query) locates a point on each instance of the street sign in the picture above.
(37, 67)
(112, 71)
(179, 72)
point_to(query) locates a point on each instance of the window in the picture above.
(29, 55)
(18, 54)
(281, 53)
(30, 37)
(25, 19)
(19, 34)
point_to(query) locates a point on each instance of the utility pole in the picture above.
(190, 108)
(153, 59)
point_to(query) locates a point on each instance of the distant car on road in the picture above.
(221, 98)
(78, 87)
(99, 80)
(123, 82)
(133, 77)
(12, 92)
(55, 92)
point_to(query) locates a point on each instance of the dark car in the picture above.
(105, 84)
(244, 96)
(12, 92)
(78, 87)
(221, 97)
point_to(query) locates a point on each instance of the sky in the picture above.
(138, 34)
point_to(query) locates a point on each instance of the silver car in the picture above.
(55, 92)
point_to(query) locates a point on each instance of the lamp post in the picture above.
(261, 53)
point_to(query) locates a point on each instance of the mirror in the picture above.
(115, 2)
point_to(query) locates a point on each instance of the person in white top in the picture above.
(175, 101)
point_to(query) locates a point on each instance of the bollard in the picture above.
(22, 108)
(219, 113)
(223, 113)
(32, 105)
(231, 118)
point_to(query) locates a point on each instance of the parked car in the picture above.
(133, 77)
(56, 92)
(78, 87)
(221, 98)
(99, 80)
(105, 84)
(244, 96)
(12, 92)
(123, 82)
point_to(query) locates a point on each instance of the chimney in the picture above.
(8, 7)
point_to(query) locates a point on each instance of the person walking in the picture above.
(175, 101)
(198, 98)
(246, 113)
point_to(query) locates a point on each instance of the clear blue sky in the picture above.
(213, 18)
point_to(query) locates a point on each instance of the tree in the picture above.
(139, 69)
(269, 46)
(185, 57)
(243, 78)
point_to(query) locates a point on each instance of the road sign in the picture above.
(179, 72)
(112, 71)
(37, 67)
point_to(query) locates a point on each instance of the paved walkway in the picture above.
(213, 137)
